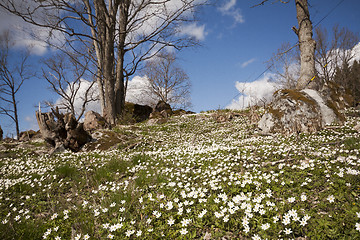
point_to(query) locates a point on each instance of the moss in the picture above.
(331, 105)
(106, 141)
(276, 112)
(349, 99)
(298, 96)
(337, 91)
(117, 138)
(102, 123)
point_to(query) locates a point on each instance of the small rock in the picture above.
(357, 127)
(207, 236)
(155, 121)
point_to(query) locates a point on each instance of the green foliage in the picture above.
(139, 158)
(352, 143)
(66, 171)
(109, 170)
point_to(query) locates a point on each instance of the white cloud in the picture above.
(79, 97)
(230, 9)
(25, 34)
(193, 30)
(253, 93)
(31, 123)
(155, 16)
(139, 92)
(245, 64)
(227, 6)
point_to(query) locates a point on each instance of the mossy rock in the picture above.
(135, 113)
(293, 111)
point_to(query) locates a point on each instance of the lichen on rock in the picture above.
(295, 111)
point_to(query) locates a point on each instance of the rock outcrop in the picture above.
(29, 135)
(135, 113)
(160, 114)
(94, 121)
(294, 111)
(163, 106)
(141, 112)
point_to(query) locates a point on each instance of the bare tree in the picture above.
(168, 81)
(306, 44)
(14, 71)
(285, 64)
(333, 54)
(123, 34)
(66, 77)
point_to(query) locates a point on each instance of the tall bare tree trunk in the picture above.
(106, 20)
(119, 81)
(109, 82)
(101, 92)
(307, 46)
(16, 119)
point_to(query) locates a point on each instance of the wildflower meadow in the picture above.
(190, 178)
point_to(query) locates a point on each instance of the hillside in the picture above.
(202, 176)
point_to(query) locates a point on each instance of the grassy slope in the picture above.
(191, 178)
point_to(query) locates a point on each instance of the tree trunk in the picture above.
(119, 75)
(98, 53)
(106, 21)
(307, 46)
(101, 93)
(109, 82)
(16, 118)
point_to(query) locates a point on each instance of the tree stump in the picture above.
(65, 133)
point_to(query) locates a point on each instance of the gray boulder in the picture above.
(94, 121)
(294, 111)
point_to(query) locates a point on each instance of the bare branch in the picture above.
(168, 81)
(13, 73)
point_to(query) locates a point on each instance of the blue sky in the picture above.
(231, 39)
(215, 67)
